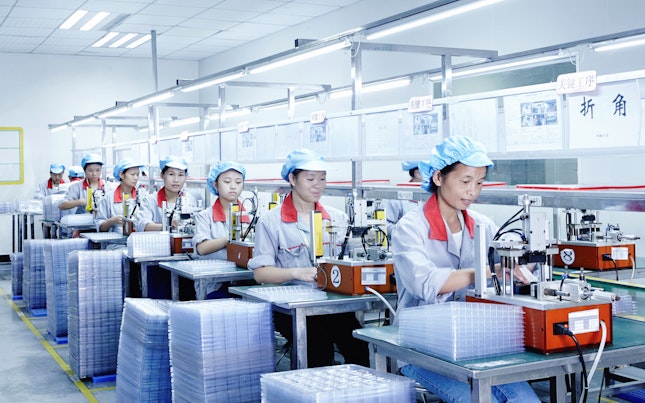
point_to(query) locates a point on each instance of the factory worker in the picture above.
(433, 251)
(53, 184)
(75, 173)
(109, 216)
(282, 255)
(149, 215)
(395, 209)
(77, 193)
(212, 225)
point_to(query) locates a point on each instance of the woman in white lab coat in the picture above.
(433, 251)
(110, 212)
(282, 255)
(212, 225)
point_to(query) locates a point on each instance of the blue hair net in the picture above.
(304, 159)
(408, 165)
(122, 166)
(219, 169)
(91, 159)
(453, 149)
(76, 172)
(57, 168)
(173, 161)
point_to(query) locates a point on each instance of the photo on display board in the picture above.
(425, 123)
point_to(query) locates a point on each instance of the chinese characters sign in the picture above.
(606, 117)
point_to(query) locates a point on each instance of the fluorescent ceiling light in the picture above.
(82, 120)
(73, 19)
(183, 122)
(306, 100)
(112, 112)
(58, 128)
(139, 41)
(374, 87)
(108, 37)
(500, 66)
(231, 113)
(122, 40)
(153, 99)
(299, 57)
(618, 45)
(215, 81)
(100, 16)
(431, 18)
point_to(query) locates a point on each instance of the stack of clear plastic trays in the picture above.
(336, 384)
(143, 363)
(149, 244)
(33, 278)
(463, 330)
(78, 219)
(17, 268)
(94, 314)
(625, 305)
(55, 252)
(197, 266)
(219, 348)
(106, 236)
(288, 293)
(51, 212)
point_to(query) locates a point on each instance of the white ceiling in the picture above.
(185, 29)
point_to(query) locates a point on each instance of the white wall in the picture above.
(39, 90)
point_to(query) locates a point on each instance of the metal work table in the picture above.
(201, 275)
(23, 228)
(145, 263)
(300, 310)
(628, 347)
(102, 239)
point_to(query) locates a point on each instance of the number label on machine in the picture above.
(335, 276)
(373, 276)
(584, 321)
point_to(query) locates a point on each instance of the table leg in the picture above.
(126, 278)
(558, 388)
(299, 347)
(174, 285)
(144, 280)
(377, 361)
(480, 390)
(201, 289)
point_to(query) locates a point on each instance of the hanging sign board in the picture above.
(318, 117)
(243, 126)
(584, 81)
(420, 104)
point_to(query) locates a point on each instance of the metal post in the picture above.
(446, 90)
(153, 45)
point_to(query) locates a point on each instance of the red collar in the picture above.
(50, 184)
(75, 180)
(220, 216)
(289, 213)
(86, 184)
(118, 194)
(161, 196)
(437, 225)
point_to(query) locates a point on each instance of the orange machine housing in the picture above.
(239, 252)
(181, 243)
(539, 324)
(589, 255)
(350, 277)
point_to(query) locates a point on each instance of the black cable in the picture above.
(602, 382)
(584, 384)
(344, 245)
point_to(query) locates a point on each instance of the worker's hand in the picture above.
(117, 220)
(304, 273)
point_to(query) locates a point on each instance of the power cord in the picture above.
(382, 298)
(607, 258)
(560, 328)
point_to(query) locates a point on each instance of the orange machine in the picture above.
(350, 277)
(541, 317)
(239, 252)
(181, 243)
(589, 255)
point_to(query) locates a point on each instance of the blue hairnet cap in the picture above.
(91, 159)
(122, 166)
(57, 168)
(173, 161)
(408, 165)
(304, 159)
(453, 149)
(76, 172)
(219, 169)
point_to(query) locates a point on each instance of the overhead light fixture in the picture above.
(139, 42)
(306, 100)
(125, 38)
(499, 66)
(58, 128)
(431, 18)
(112, 112)
(214, 81)
(82, 120)
(100, 16)
(373, 87)
(73, 19)
(183, 122)
(152, 99)
(108, 37)
(300, 57)
(615, 45)
(232, 113)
